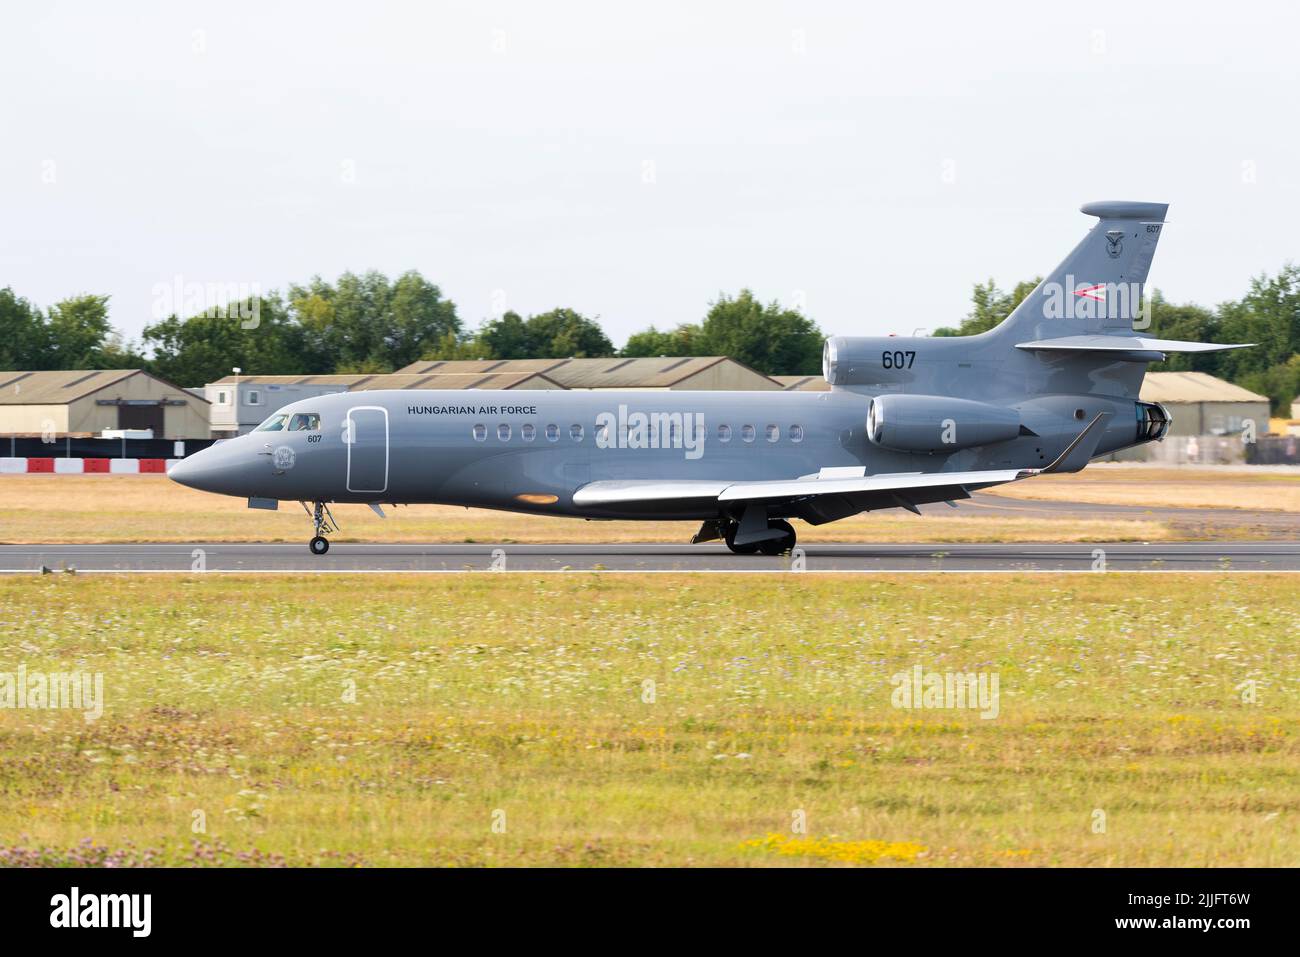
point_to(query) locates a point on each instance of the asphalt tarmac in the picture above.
(1224, 556)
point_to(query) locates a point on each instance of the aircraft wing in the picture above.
(624, 492)
(854, 492)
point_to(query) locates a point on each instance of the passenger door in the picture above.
(366, 436)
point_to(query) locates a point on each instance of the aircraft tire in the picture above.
(319, 545)
(730, 538)
(778, 546)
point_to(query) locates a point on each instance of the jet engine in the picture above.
(935, 423)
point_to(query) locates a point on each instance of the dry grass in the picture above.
(385, 720)
(137, 508)
(1168, 488)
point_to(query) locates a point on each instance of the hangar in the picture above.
(803, 383)
(662, 372)
(90, 401)
(240, 403)
(1202, 404)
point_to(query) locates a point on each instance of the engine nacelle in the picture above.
(870, 360)
(935, 423)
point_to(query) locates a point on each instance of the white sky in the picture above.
(799, 149)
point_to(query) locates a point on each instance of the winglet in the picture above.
(1078, 452)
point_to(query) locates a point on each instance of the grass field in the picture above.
(136, 508)
(486, 719)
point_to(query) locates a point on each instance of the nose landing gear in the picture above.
(323, 520)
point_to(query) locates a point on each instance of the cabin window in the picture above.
(600, 432)
(274, 424)
(552, 433)
(773, 432)
(528, 431)
(575, 432)
(253, 397)
(305, 422)
(796, 433)
(503, 432)
(747, 433)
(724, 433)
(480, 432)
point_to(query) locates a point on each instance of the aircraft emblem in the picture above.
(1114, 243)
(1097, 292)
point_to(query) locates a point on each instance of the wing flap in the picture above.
(632, 491)
(885, 482)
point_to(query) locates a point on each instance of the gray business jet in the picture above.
(908, 421)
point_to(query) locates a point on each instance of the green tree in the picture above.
(507, 338)
(557, 334)
(456, 346)
(1268, 315)
(204, 348)
(1189, 323)
(24, 337)
(1280, 382)
(79, 330)
(367, 324)
(990, 305)
(420, 318)
(773, 340)
(683, 341)
(561, 333)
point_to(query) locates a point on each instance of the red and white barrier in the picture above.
(75, 466)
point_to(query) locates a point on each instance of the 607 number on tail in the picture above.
(897, 360)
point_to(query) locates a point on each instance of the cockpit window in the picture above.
(273, 424)
(305, 422)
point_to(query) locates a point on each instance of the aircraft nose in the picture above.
(191, 472)
(217, 468)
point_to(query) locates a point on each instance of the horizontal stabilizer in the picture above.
(1124, 344)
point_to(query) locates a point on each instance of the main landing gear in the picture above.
(728, 530)
(768, 546)
(323, 520)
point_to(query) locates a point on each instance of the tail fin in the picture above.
(1097, 288)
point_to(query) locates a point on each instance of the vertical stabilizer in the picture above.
(1098, 288)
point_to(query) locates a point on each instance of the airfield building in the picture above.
(664, 372)
(240, 403)
(1204, 405)
(88, 402)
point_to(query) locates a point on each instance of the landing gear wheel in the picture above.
(729, 536)
(778, 546)
(324, 523)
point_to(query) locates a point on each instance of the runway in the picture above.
(343, 558)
